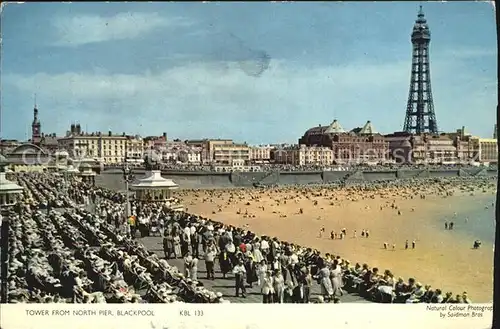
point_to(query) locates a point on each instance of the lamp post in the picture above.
(65, 181)
(128, 178)
(9, 192)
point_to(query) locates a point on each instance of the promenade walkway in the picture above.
(226, 286)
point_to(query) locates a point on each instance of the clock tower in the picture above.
(35, 127)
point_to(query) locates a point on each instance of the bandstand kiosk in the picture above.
(154, 188)
(87, 174)
(71, 170)
(9, 195)
(9, 191)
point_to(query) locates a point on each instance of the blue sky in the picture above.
(254, 72)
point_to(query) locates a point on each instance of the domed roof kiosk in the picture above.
(154, 188)
(9, 191)
(87, 174)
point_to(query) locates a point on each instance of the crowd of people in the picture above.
(60, 251)
(268, 167)
(284, 271)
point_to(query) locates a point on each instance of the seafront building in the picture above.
(302, 155)
(221, 151)
(444, 148)
(103, 147)
(134, 149)
(156, 142)
(438, 149)
(190, 156)
(28, 157)
(7, 145)
(260, 154)
(359, 145)
(230, 153)
(486, 150)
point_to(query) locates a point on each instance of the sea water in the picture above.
(473, 217)
(481, 221)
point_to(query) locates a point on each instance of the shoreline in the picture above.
(438, 253)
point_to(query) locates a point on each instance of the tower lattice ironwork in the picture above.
(420, 116)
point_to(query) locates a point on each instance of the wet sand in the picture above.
(442, 258)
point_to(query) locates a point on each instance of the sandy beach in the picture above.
(442, 258)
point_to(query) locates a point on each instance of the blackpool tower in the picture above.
(420, 116)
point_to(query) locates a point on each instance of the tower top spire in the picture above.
(421, 32)
(420, 17)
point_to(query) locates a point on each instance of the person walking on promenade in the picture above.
(177, 246)
(261, 272)
(302, 291)
(210, 255)
(325, 282)
(336, 278)
(257, 254)
(267, 289)
(168, 245)
(224, 263)
(279, 287)
(195, 242)
(194, 269)
(185, 240)
(188, 265)
(251, 270)
(239, 272)
(132, 225)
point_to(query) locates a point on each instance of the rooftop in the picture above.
(334, 128)
(153, 180)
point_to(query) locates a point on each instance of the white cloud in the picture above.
(79, 30)
(220, 100)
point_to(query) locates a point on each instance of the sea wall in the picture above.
(113, 178)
